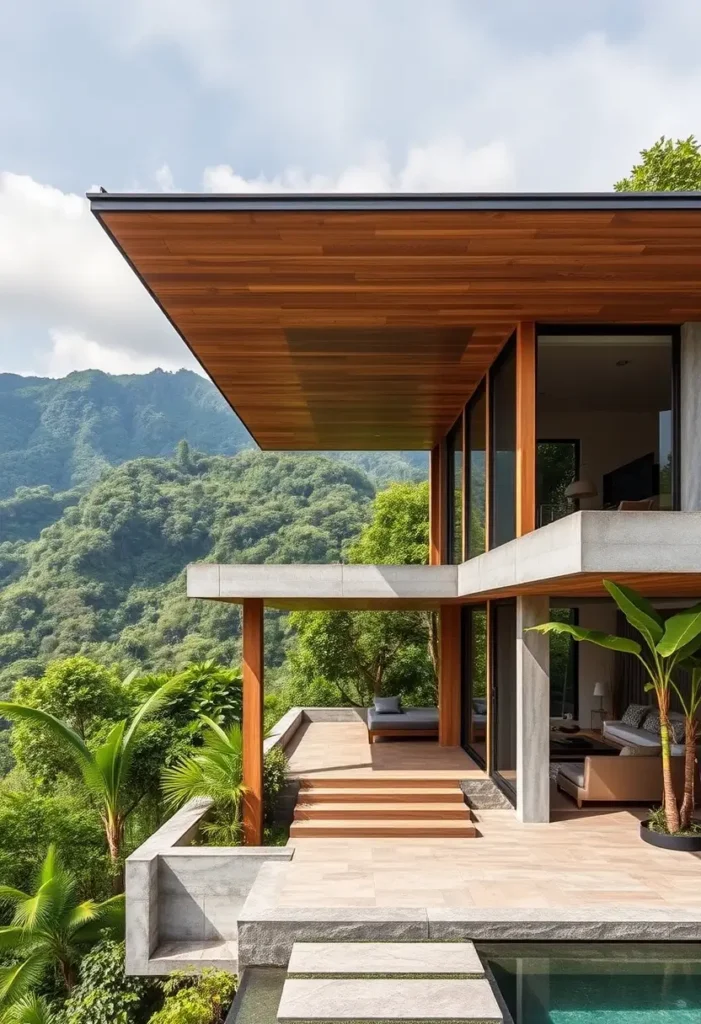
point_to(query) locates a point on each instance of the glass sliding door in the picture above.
(503, 672)
(454, 502)
(474, 683)
(502, 499)
(476, 473)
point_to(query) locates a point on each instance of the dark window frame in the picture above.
(508, 351)
(506, 788)
(465, 676)
(477, 395)
(453, 443)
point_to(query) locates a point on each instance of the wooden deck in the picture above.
(341, 750)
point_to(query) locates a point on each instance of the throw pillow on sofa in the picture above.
(635, 714)
(632, 751)
(652, 722)
(387, 706)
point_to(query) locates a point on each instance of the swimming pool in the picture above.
(589, 983)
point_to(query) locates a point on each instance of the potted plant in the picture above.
(669, 645)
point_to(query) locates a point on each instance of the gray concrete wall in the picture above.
(690, 417)
(532, 711)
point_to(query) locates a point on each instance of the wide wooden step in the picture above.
(386, 828)
(380, 810)
(378, 794)
(375, 782)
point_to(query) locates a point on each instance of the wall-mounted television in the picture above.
(635, 481)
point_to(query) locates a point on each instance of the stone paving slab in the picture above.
(385, 959)
(383, 1001)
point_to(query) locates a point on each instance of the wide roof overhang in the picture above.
(361, 322)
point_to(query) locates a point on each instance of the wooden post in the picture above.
(253, 721)
(437, 494)
(449, 672)
(525, 428)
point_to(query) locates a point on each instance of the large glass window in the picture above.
(476, 473)
(503, 638)
(474, 683)
(455, 494)
(614, 395)
(502, 504)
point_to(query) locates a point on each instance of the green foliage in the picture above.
(215, 771)
(398, 532)
(30, 1009)
(666, 166)
(107, 580)
(79, 691)
(31, 822)
(105, 995)
(49, 928)
(204, 688)
(196, 1000)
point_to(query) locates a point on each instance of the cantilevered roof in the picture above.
(338, 321)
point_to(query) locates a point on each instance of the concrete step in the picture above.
(379, 794)
(375, 782)
(378, 829)
(384, 1001)
(381, 810)
(194, 957)
(386, 959)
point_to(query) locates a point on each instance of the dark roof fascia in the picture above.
(105, 202)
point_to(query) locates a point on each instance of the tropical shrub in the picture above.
(30, 822)
(50, 929)
(105, 995)
(215, 771)
(196, 1000)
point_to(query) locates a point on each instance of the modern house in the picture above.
(544, 349)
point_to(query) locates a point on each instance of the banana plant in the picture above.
(669, 645)
(690, 700)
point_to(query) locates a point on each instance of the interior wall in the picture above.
(608, 440)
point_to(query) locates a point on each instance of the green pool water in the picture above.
(613, 983)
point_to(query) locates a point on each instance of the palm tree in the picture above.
(670, 644)
(215, 771)
(104, 770)
(48, 929)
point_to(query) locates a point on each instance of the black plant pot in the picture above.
(683, 844)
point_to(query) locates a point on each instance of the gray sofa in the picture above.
(412, 722)
(627, 735)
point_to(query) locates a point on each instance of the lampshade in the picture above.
(581, 489)
(599, 689)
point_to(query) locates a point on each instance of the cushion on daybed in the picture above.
(635, 714)
(412, 718)
(574, 771)
(387, 706)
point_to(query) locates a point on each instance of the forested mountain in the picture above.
(107, 578)
(65, 432)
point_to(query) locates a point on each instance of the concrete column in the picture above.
(532, 712)
(690, 417)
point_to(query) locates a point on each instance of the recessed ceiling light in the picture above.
(622, 362)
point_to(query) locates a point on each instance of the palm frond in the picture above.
(29, 1009)
(109, 919)
(18, 980)
(109, 760)
(23, 713)
(154, 703)
(12, 936)
(10, 895)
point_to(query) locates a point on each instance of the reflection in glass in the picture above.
(504, 692)
(455, 494)
(503, 484)
(475, 496)
(564, 680)
(474, 732)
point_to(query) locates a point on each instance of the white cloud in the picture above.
(63, 282)
(71, 350)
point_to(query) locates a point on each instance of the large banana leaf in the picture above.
(594, 636)
(638, 611)
(681, 630)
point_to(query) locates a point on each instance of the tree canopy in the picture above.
(667, 166)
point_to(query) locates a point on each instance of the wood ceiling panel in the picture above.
(370, 329)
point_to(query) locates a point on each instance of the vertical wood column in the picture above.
(437, 484)
(253, 721)
(449, 696)
(525, 428)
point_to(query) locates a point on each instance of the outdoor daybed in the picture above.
(412, 722)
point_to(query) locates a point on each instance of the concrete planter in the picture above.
(682, 844)
(183, 901)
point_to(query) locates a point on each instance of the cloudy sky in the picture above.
(227, 95)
